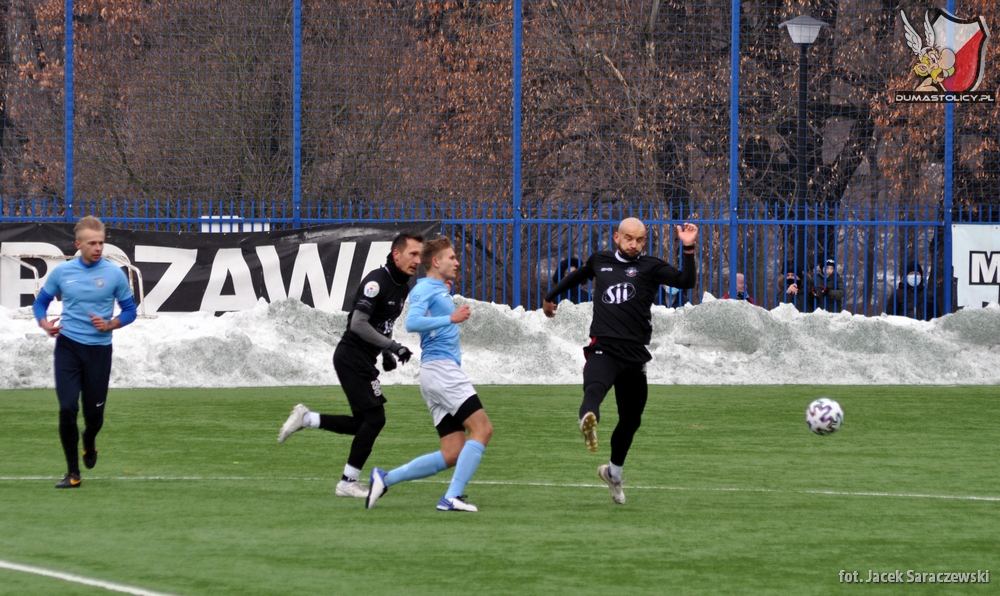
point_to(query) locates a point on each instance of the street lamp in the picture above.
(803, 30)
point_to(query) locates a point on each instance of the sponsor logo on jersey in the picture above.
(386, 327)
(631, 271)
(618, 293)
(607, 268)
(371, 289)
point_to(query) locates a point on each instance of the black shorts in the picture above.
(607, 370)
(358, 377)
(453, 424)
(82, 370)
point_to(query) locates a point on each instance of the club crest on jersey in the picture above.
(631, 271)
(99, 282)
(618, 293)
(371, 289)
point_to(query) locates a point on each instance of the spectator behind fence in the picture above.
(741, 291)
(911, 298)
(671, 297)
(575, 295)
(794, 291)
(827, 292)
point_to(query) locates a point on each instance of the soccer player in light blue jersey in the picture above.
(450, 397)
(89, 286)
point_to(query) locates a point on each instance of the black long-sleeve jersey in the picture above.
(381, 295)
(624, 292)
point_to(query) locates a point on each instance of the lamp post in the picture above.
(803, 30)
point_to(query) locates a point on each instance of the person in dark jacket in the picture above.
(911, 298)
(827, 292)
(575, 295)
(670, 297)
(794, 291)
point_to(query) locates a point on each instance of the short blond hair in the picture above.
(88, 223)
(433, 248)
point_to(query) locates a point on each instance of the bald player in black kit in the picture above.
(626, 283)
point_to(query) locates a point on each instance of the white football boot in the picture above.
(351, 489)
(617, 494)
(294, 422)
(456, 504)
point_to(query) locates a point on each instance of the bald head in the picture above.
(630, 237)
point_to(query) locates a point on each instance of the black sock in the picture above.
(69, 434)
(373, 420)
(344, 478)
(88, 441)
(593, 395)
(345, 425)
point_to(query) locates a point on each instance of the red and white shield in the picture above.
(967, 38)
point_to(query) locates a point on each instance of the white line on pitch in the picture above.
(836, 493)
(79, 579)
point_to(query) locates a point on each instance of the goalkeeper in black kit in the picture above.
(377, 304)
(626, 283)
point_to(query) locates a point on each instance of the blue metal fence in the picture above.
(871, 246)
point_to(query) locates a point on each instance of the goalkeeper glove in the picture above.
(401, 352)
(388, 360)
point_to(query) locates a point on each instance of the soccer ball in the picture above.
(824, 416)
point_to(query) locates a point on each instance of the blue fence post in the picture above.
(297, 114)
(516, 141)
(68, 107)
(734, 143)
(949, 155)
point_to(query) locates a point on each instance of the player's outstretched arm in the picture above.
(572, 280)
(687, 233)
(687, 277)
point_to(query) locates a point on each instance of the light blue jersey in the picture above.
(431, 307)
(86, 289)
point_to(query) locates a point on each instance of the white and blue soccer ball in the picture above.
(824, 416)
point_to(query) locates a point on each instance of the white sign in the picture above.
(975, 259)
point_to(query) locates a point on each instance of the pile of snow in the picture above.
(717, 342)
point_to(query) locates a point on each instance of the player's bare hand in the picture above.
(102, 324)
(461, 315)
(687, 233)
(50, 327)
(793, 289)
(549, 308)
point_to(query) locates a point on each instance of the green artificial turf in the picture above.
(728, 493)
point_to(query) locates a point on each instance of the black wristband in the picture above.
(690, 247)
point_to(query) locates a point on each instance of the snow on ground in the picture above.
(719, 342)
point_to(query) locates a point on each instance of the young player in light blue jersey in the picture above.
(89, 287)
(450, 397)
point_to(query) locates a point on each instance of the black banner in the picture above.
(185, 272)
